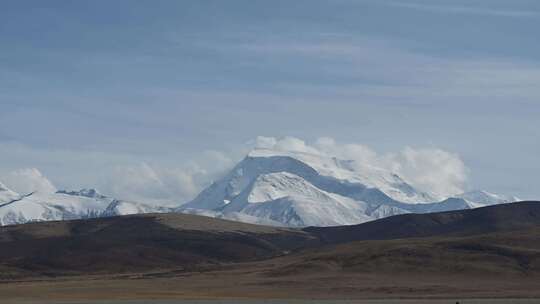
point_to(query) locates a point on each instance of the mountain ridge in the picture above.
(271, 187)
(502, 217)
(67, 205)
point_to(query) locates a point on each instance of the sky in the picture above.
(153, 100)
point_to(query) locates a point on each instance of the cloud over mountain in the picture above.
(432, 170)
(28, 180)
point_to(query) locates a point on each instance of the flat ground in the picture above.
(254, 281)
(288, 301)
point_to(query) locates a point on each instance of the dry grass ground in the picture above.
(253, 282)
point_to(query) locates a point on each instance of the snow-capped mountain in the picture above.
(483, 198)
(118, 207)
(352, 173)
(301, 189)
(293, 201)
(64, 205)
(327, 174)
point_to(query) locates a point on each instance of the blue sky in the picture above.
(88, 89)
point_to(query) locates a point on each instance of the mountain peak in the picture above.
(352, 172)
(485, 198)
(90, 193)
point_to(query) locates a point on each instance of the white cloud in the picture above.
(286, 143)
(264, 142)
(455, 9)
(432, 170)
(173, 181)
(438, 172)
(430, 78)
(216, 161)
(152, 183)
(28, 180)
(360, 153)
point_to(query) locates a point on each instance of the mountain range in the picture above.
(64, 205)
(268, 187)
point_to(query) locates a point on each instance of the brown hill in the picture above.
(488, 252)
(499, 218)
(137, 243)
(186, 242)
(508, 253)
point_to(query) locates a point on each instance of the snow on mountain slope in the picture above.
(64, 205)
(21, 212)
(269, 188)
(89, 193)
(301, 189)
(302, 211)
(383, 211)
(354, 173)
(291, 200)
(7, 195)
(329, 174)
(273, 186)
(75, 203)
(51, 206)
(118, 207)
(480, 198)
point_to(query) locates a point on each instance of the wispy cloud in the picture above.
(378, 68)
(462, 9)
(28, 180)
